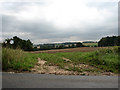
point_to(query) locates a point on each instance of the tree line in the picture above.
(16, 42)
(109, 41)
(27, 45)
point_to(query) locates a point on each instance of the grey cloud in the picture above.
(18, 6)
(102, 5)
(44, 32)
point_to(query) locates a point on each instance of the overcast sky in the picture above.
(49, 21)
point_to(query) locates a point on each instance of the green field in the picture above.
(105, 59)
(90, 44)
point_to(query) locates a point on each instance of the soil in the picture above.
(81, 49)
(42, 68)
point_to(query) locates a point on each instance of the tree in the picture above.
(79, 44)
(109, 41)
(6, 43)
(18, 43)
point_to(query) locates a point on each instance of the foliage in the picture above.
(79, 44)
(18, 43)
(109, 41)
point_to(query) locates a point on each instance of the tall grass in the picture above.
(16, 59)
(106, 59)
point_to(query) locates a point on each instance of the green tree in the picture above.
(6, 43)
(18, 43)
(79, 44)
(109, 41)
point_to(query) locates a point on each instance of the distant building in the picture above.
(38, 47)
(55, 45)
(66, 45)
(75, 44)
(70, 44)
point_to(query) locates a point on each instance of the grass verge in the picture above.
(17, 60)
(105, 59)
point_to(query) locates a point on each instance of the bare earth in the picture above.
(81, 49)
(43, 68)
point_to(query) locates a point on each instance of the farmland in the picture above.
(77, 61)
(90, 44)
(81, 49)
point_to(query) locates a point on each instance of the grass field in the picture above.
(90, 44)
(105, 59)
(80, 49)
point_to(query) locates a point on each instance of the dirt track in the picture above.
(42, 68)
(81, 49)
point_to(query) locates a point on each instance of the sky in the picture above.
(54, 21)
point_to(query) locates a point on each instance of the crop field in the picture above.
(81, 49)
(88, 61)
(90, 44)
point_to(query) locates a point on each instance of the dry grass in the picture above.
(16, 60)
